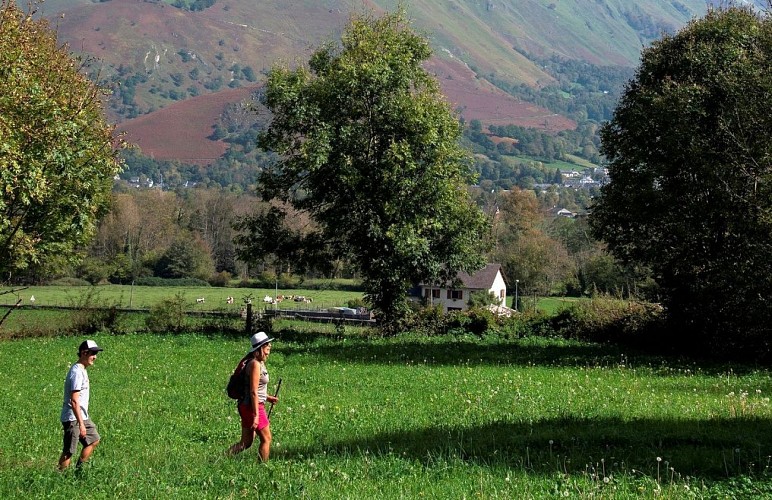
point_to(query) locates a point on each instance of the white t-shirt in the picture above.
(76, 380)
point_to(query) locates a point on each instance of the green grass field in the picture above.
(390, 418)
(551, 165)
(147, 296)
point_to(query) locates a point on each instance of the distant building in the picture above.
(487, 279)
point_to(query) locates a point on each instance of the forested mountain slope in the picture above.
(153, 53)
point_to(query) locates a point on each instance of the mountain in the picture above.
(161, 59)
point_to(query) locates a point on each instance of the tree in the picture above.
(369, 147)
(57, 153)
(690, 161)
(186, 258)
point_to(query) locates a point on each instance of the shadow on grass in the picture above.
(475, 351)
(708, 449)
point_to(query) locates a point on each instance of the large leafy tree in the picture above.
(369, 147)
(57, 153)
(690, 161)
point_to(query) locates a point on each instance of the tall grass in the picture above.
(390, 418)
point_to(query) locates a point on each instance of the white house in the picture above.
(487, 279)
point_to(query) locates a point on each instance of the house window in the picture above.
(433, 292)
(501, 294)
(455, 294)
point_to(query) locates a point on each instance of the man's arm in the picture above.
(75, 403)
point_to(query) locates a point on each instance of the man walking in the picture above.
(76, 423)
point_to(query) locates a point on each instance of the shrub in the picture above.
(477, 321)
(168, 315)
(156, 281)
(221, 279)
(69, 281)
(425, 320)
(92, 314)
(482, 298)
(93, 270)
(609, 320)
(356, 303)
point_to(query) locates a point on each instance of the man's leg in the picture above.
(69, 444)
(86, 452)
(89, 442)
(64, 461)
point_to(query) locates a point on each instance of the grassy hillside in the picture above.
(173, 49)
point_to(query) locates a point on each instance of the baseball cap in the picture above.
(89, 345)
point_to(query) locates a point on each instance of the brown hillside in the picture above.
(181, 131)
(476, 99)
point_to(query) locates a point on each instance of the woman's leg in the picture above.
(265, 442)
(247, 437)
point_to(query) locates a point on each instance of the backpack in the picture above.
(235, 387)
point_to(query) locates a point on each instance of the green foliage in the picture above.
(477, 321)
(94, 314)
(168, 315)
(627, 323)
(93, 270)
(157, 281)
(369, 148)
(582, 91)
(691, 178)
(221, 279)
(69, 281)
(57, 156)
(185, 258)
(355, 303)
(264, 237)
(482, 299)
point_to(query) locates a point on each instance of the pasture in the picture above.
(439, 417)
(143, 297)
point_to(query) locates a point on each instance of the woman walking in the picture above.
(251, 405)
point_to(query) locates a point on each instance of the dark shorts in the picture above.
(248, 416)
(72, 436)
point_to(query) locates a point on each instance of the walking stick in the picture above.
(276, 394)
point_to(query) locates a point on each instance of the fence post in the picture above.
(249, 319)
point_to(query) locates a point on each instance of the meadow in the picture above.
(367, 417)
(142, 297)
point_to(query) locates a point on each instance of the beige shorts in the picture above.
(72, 436)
